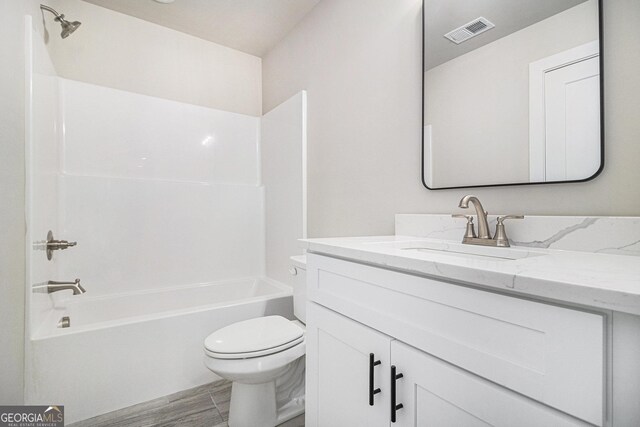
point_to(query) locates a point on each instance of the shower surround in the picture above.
(166, 203)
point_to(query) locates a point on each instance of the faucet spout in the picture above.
(74, 286)
(483, 225)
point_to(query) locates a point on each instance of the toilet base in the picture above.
(269, 404)
(254, 405)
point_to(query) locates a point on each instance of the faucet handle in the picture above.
(469, 217)
(501, 234)
(470, 232)
(56, 245)
(502, 218)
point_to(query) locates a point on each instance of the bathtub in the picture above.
(126, 349)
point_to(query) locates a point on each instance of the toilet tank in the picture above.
(298, 270)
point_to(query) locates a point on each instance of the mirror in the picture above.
(512, 92)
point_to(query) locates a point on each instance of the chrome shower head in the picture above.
(67, 27)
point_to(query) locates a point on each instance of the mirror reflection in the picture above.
(511, 92)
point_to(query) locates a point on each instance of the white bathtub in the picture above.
(134, 347)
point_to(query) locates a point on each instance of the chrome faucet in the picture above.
(53, 286)
(483, 238)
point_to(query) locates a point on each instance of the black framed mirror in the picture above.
(512, 92)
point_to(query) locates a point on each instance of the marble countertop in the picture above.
(592, 279)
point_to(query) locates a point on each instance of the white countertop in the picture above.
(593, 279)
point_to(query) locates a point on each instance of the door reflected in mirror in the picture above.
(512, 92)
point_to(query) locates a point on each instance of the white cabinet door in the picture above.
(438, 394)
(338, 372)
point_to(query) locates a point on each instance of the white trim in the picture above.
(537, 71)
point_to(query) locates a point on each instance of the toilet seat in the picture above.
(250, 354)
(251, 338)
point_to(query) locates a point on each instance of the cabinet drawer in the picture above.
(552, 354)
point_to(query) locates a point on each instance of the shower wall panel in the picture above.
(284, 174)
(158, 193)
(114, 133)
(141, 234)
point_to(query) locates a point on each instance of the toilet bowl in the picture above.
(253, 354)
(257, 353)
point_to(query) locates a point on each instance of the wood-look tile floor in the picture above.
(204, 406)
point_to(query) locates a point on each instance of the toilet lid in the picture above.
(262, 335)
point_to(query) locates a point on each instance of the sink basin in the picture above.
(468, 251)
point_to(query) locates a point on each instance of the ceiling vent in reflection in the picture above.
(469, 30)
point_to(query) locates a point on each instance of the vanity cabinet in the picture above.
(467, 356)
(428, 392)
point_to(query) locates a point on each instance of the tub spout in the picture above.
(75, 286)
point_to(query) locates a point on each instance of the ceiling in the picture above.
(251, 26)
(509, 16)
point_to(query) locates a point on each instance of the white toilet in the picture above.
(254, 354)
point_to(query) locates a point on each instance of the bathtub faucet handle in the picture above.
(56, 245)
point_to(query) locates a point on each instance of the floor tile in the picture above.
(294, 422)
(222, 397)
(203, 406)
(193, 411)
(189, 408)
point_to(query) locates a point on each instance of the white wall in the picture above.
(360, 62)
(478, 103)
(119, 51)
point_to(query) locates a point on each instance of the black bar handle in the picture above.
(372, 391)
(394, 406)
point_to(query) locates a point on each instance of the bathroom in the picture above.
(192, 148)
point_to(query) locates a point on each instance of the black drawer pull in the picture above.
(372, 391)
(394, 406)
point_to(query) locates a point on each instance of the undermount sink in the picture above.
(468, 251)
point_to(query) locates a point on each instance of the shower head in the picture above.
(67, 27)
